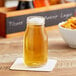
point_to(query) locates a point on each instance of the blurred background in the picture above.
(11, 3)
(8, 3)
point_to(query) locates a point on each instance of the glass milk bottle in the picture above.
(35, 42)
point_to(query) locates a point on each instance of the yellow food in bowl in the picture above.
(70, 24)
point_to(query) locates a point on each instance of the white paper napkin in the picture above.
(19, 65)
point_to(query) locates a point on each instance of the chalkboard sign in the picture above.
(18, 23)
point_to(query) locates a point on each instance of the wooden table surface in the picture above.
(12, 48)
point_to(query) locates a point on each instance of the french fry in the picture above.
(74, 26)
(71, 23)
(67, 25)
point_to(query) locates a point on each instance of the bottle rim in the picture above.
(36, 20)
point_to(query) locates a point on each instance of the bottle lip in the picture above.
(36, 20)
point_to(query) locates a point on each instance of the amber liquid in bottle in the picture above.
(35, 46)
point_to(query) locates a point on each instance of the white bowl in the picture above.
(68, 35)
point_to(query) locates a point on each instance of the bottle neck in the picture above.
(35, 28)
(35, 23)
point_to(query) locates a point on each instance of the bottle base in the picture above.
(35, 65)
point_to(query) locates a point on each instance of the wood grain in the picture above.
(2, 2)
(12, 48)
(43, 9)
(11, 12)
(2, 24)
